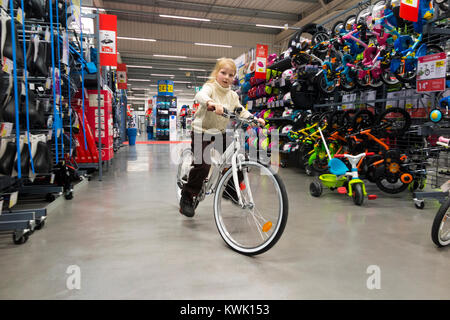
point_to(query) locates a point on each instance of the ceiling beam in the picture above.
(218, 9)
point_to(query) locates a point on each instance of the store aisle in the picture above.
(129, 241)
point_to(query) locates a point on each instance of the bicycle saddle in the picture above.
(35, 113)
(42, 159)
(42, 60)
(7, 160)
(7, 48)
(24, 160)
(9, 110)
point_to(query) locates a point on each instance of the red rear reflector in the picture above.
(372, 196)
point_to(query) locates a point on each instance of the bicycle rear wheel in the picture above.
(440, 231)
(257, 227)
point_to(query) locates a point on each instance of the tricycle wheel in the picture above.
(316, 189)
(358, 195)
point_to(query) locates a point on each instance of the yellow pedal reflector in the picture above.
(267, 226)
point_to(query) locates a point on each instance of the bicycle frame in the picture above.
(231, 155)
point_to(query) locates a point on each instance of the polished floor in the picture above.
(125, 239)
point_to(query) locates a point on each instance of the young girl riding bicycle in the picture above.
(209, 124)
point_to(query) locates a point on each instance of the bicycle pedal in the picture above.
(342, 190)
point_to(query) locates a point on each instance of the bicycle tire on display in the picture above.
(337, 27)
(231, 219)
(392, 189)
(357, 194)
(399, 129)
(363, 119)
(441, 220)
(411, 75)
(349, 22)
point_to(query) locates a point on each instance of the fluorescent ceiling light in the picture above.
(271, 26)
(203, 77)
(139, 80)
(188, 69)
(213, 45)
(167, 56)
(145, 67)
(184, 18)
(162, 75)
(136, 39)
(153, 85)
(182, 81)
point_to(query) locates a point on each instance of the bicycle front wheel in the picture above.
(440, 231)
(258, 226)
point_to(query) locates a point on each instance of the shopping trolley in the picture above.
(438, 173)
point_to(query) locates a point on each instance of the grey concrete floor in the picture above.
(129, 241)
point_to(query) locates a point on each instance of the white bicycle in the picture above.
(255, 222)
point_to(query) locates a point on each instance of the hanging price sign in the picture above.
(431, 72)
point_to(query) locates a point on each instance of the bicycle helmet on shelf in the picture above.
(268, 74)
(286, 129)
(287, 112)
(251, 67)
(287, 146)
(271, 59)
(287, 74)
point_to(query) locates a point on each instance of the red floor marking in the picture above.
(159, 142)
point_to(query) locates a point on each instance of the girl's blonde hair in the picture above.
(221, 63)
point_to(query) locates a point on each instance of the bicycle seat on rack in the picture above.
(42, 159)
(7, 160)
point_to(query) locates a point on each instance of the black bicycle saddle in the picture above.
(24, 160)
(9, 110)
(8, 48)
(7, 160)
(42, 159)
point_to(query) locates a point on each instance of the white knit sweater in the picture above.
(206, 120)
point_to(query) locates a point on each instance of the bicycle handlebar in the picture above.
(233, 115)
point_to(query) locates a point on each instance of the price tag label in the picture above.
(48, 83)
(431, 72)
(13, 199)
(8, 65)
(19, 16)
(169, 88)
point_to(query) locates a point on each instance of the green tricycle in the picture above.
(341, 178)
